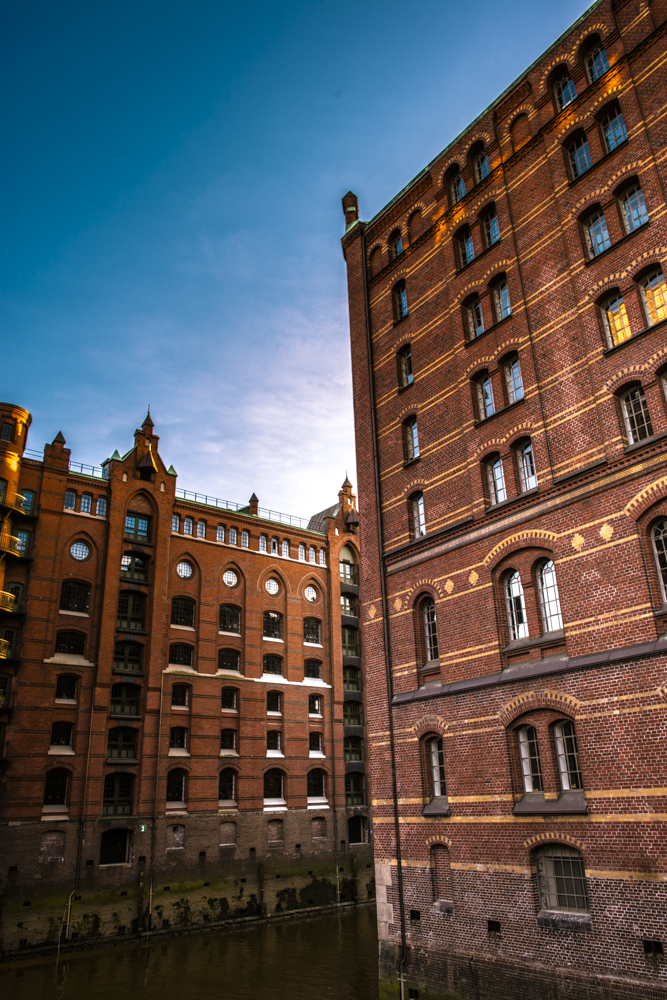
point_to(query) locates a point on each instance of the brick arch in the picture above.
(656, 361)
(549, 838)
(522, 539)
(439, 839)
(277, 571)
(482, 281)
(531, 700)
(484, 136)
(142, 503)
(407, 411)
(563, 59)
(590, 29)
(490, 445)
(514, 343)
(429, 724)
(405, 338)
(413, 486)
(522, 109)
(420, 587)
(526, 427)
(484, 362)
(628, 374)
(657, 490)
(626, 274)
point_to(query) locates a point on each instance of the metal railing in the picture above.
(9, 543)
(243, 508)
(7, 601)
(93, 471)
(5, 649)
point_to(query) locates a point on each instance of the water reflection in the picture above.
(333, 956)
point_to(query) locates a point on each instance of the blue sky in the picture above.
(172, 176)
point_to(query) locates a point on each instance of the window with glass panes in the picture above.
(474, 317)
(137, 526)
(552, 620)
(654, 294)
(514, 379)
(101, 509)
(353, 748)
(496, 479)
(133, 567)
(201, 529)
(273, 664)
(458, 188)
(400, 299)
(125, 699)
(562, 879)
(22, 542)
(350, 638)
(580, 157)
(565, 91)
(354, 790)
(314, 704)
(516, 607)
(430, 631)
(315, 742)
(274, 700)
(527, 473)
(56, 787)
(312, 630)
(418, 515)
(181, 654)
(70, 500)
(178, 738)
(482, 167)
(395, 244)
(596, 63)
(131, 610)
(228, 699)
(529, 754)
(180, 695)
(597, 236)
(176, 785)
(272, 625)
(404, 359)
(183, 611)
(75, 596)
(233, 536)
(229, 618)
(122, 743)
(274, 740)
(28, 502)
(501, 300)
(72, 643)
(62, 734)
(315, 783)
(659, 539)
(175, 523)
(227, 785)
(312, 668)
(635, 412)
(434, 756)
(66, 687)
(117, 799)
(229, 659)
(615, 316)
(228, 739)
(410, 439)
(614, 130)
(273, 784)
(634, 208)
(491, 228)
(86, 503)
(352, 713)
(285, 549)
(349, 605)
(485, 398)
(127, 656)
(465, 247)
(568, 756)
(351, 679)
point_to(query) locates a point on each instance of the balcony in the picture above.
(13, 501)
(7, 601)
(9, 543)
(5, 649)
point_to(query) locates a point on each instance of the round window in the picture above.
(272, 587)
(80, 551)
(184, 569)
(230, 578)
(311, 594)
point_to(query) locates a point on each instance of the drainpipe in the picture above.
(333, 724)
(154, 818)
(79, 845)
(385, 612)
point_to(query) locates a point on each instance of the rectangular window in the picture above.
(351, 679)
(530, 759)
(23, 539)
(220, 533)
(201, 529)
(312, 668)
(562, 879)
(86, 503)
(136, 527)
(273, 740)
(228, 739)
(501, 297)
(568, 756)
(233, 536)
(28, 502)
(245, 538)
(580, 158)
(175, 523)
(273, 625)
(527, 474)
(514, 381)
(615, 131)
(131, 610)
(101, 507)
(350, 641)
(8, 430)
(475, 318)
(496, 474)
(634, 209)
(188, 525)
(597, 236)
(485, 399)
(263, 543)
(637, 419)
(654, 293)
(70, 500)
(491, 229)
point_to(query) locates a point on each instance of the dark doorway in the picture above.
(113, 849)
(357, 827)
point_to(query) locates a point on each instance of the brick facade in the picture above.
(511, 300)
(152, 639)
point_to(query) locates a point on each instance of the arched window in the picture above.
(245, 538)
(404, 366)
(395, 244)
(565, 91)
(127, 656)
(227, 785)
(273, 664)
(323, 557)
(457, 188)
(552, 619)
(86, 503)
(529, 755)
(183, 611)
(131, 610)
(75, 596)
(375, 260)
(636, 415)
(481, 166)
(71, 643)
(613, 129)
(434, 766)
(122, 743)
(55, 787)
(347, 565)
(579, 156)
(274, 703)
(233, 536)
(501, 299)
(417, 515)
(354, 790)
(180, 696)
(125, 699)
(274, 784)
(133, 566)
(400, 300)
(526, 465)
(312, 554)
(302, 552)
(285, 549)
(562, 879)
(315, 784)
(229, 700)
(513, 378)
(315, 743)
(615, 319)
(429, 630)
(486, 405)
(272, 625)
(596, 62)
(490, 227)
(176, 785)
(70, 500)
(351, 678)
(659, 539)
(568, 756)
(465, 248)
(495, 477)
(353, 747)
(118, 789)
(633, 207)
(410, 439)
(415, 226)
(654, 296)
(229, 619)
(263, 543)
(201, 529)
(312, 630)
(516, 607)
(188, 525)
(181, 655)
(229, 659)
(220, 533)
(596, 233)
(473, 317)
(176, 524)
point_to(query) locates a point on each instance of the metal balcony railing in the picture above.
(7, 601)
(5, 649)
(9, 543)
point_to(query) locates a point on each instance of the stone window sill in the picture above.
(178, 752)
(75, 614)
(316, 645)
(269, 638)
(563, 921)
(541, 640)
(317, 802)
(274, 753)
(229, 753)
(65, 701)
(237, 634)
(183, 628)
(180, 708)
(644, 443)
(438, 806)
(635, 336)
(317, 753)
(535, 804)
(229, 711)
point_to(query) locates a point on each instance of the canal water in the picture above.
(332, 957)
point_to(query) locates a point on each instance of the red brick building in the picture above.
(181, 695)
(508, 315)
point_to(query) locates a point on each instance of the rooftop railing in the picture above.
(242, 508)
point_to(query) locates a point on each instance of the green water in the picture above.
(333, 957)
